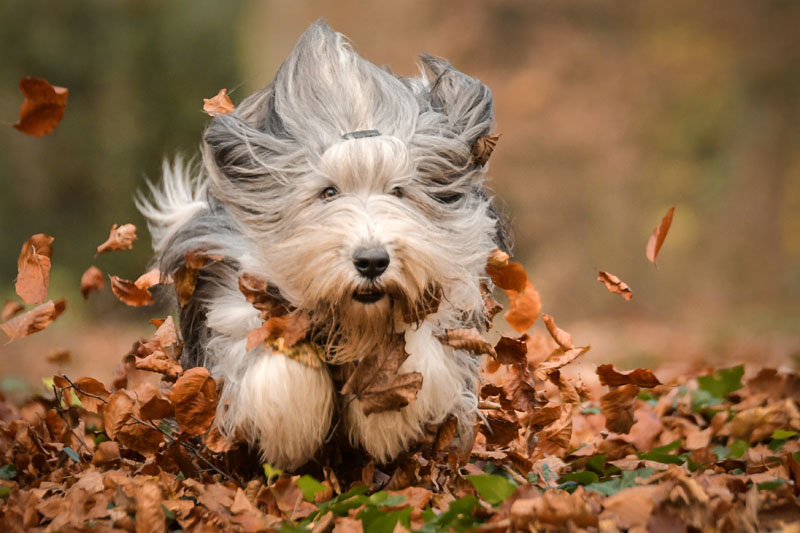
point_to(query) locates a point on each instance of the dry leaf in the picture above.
(34, 320)
(499, 429)
(219, 104)
(91, 393)
(641, 377)
(197, 259)
(107, 452)
(120, 238)
(151, 278)
(92, 280)
(60, 356)
(151, 405)
(194, 397)
(505, 273)
(658, 236)
(43, 107)
(161, 363)
(557, 360)
(292, 328)
(258, 292)
(377, 384)
(561, 337)
(469, 340)
(33, 269)
(618, 405)
(10, 308)
(117, 412)
(614, 284)
(524, 308)
(150, 516)
(511, 351)
(483, 148)
(445, 434)
(217, 442)
(129, 294)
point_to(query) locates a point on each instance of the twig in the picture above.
(60, 411)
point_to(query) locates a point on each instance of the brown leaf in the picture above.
(129, 294)
(217, 442)
(117, 412)
(483, 148)
(524, 308)
(59, 356)
(161, 363)
(614, 284)
(518, 391)
(218, 105)
(34, 320)
(33, 269)
(107, 452)
(557, 360)
(292, 328)
(185, 283)
(490, 306)
(544, 416)
(290, 499)
(658, 236)
(150, 516)
(151, 278)
(377, 384)
(120, 238)
(92, 280)
(257, 291)
(151, 405)
(194, 397)
(94, 388)
(505, 273)
(43, 107)
(469, 340)
(167, 334)
(10, 308)
(641, 377)
(561, 337)
(197, 259)
(618, 405)
(511, 351)
(499, 429)
(445, 434)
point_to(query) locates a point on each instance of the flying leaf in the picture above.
(129, 294)
(151, 278)
(10, 308)
(161, 363)
(120, 238)
(194, 397)
(43, 107)
(561, 337)
(34, 320)
(33, 269)
(499, 429)
(469, 340)
(92, 280)
(483, 148)
(641, 377)
(187, 275)
(511, 351)
(557, 360)
(618, 405)
(614, 284)
(658, 236)
(59, 356)
(117, 412)
(151, 405)
(91, 393)
(292, 328)
(524, 308)
(505, 273)
(219, 104)
(265, 298)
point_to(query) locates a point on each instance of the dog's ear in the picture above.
(466, 102)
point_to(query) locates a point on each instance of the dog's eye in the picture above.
(328, 193)
(397, 191)
(448, 198)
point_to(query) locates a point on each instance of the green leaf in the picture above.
(769, 485)
(72, 454)
(169, 514)
(458, 517)
(493, 489)
(596, 463)
(291, 528)
(776, 445)
(674, 445)
(738, 449)
(5, 491)
(8, 472)
(626, 480)
(583, 478)
(721, 452)
(783, 434)
(376, 521)
(723, 381)
(702, 400)
(661, 457)
(592, 410)
(310, 487)
(271, 472)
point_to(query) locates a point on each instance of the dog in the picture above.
(356, 193)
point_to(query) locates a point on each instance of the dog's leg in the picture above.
(280, 406)
(448, 387)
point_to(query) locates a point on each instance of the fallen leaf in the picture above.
(120, 238)
(197, 259)
(377, 384)
(292, 328)
(92, 280)
(150, 516)
(511, 351)
(151, 405)
(107, 452)
(160, 363)
(505, 273)
(167, 334)
(33, 269)
(618, 405)
(60, 356)
(445, 434)
(194, 397)
(561, 337)
(218, 105)
(91, 393)
(43, 107)
(614, 284)
(499, 429)
(187, 275)
(265, 298)
(483, 148)
(10, 308)
(524, 308)
(129, 294)
(34, 320)
(641, 377)
(151, 278)
(217, 442)
(658, 236)
(557, 360)
(117, 412)
(468, 340)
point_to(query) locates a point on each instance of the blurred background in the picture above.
(609, 114)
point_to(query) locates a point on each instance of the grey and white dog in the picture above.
(351, 190)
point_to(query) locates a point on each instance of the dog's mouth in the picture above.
(368, 295)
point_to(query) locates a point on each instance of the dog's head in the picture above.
(360, 189)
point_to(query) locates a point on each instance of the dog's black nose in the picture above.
(371, 262)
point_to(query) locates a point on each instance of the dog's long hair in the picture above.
(408, 180)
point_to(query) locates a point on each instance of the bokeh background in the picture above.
(610, 114)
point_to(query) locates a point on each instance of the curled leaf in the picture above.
(220, 104)
(129, 294)
(120, 238)
(524, 308)
(92, 280)
(265, 298)
(292, 328)
(194, 397)
(43, 107)
(618, 405)
(505, 273)
(561, 337)
(641, 377)
(469, 340)
(33, 269)
(614, 284)
(150, 279)
(511, 351)
(658, 236)
(483, 148)
(10, 308)
(34, 320)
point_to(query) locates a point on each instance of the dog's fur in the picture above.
(415, 190)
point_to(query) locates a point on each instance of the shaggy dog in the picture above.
(358, 195)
